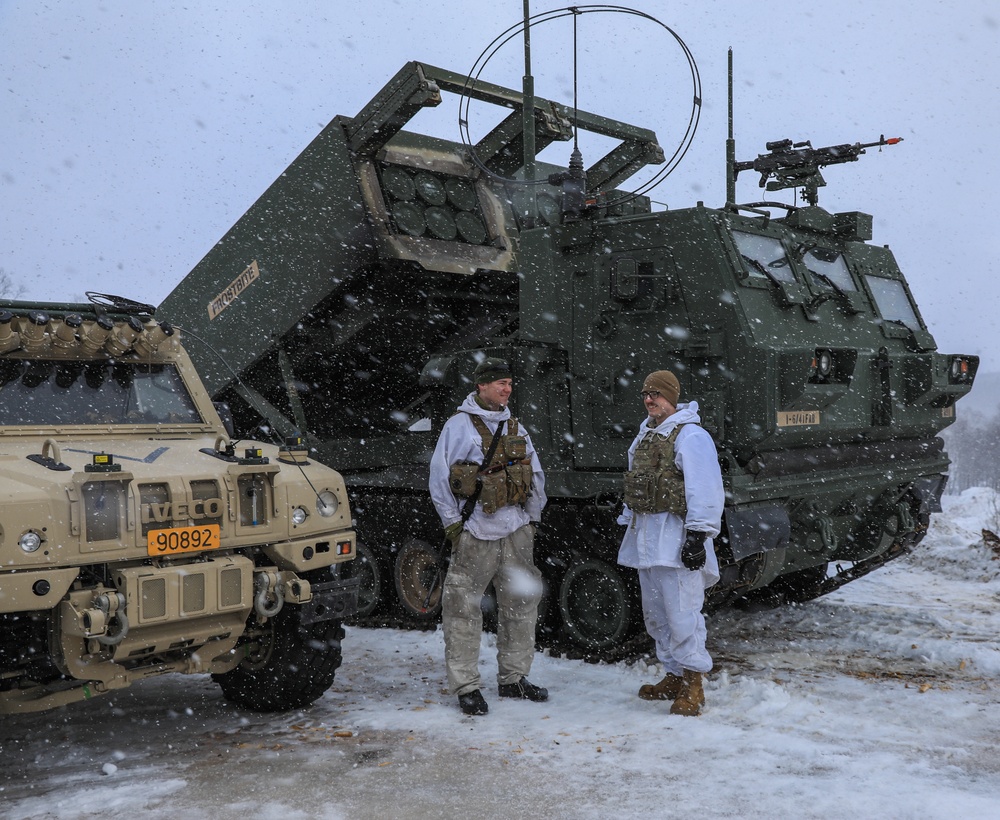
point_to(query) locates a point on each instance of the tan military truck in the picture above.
(137, 538)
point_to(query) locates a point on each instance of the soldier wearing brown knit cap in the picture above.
(665, 383)
(673, 508)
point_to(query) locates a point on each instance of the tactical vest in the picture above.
(506, 480)
(654, 484)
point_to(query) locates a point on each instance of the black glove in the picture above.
(693, 550)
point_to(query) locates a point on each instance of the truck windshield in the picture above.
(48, 392)
(828, 268)
(893, 302)
(764, 256)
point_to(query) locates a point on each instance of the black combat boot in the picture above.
(473, 703)
(523, 689)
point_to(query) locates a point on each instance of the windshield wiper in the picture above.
(824, 278)
(835, 291)
(758, 266)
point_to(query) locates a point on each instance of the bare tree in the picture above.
(973, 443)
(9, 289)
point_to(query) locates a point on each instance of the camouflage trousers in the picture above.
(509, 564)
(672, 598)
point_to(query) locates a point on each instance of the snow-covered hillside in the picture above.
(880, 700)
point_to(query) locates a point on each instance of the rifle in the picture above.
(794, 165)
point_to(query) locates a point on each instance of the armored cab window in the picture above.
(764, 256)
(160, 394)
(893, 301)
(828, 269)
(40, 392)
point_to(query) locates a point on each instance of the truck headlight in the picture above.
(299, 516)
(326, 504)
(824, 363)
(960, 371)
(30, 541)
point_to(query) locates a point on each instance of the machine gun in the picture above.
(796, 165)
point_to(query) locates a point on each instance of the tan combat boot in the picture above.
(667, 689)
(691, 697)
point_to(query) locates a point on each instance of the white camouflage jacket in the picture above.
(459, 441)
(654, 539)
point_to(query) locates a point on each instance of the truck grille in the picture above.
(154, 599)
(231, 587)
(254, 500)
(193, 593)
(206, 490)
(104, 506)
(216, 585)
(151, 495)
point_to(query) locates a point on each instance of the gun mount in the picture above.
(796, 165)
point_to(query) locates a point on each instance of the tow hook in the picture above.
(110, 608)
(269, 594)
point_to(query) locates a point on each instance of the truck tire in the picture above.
(288, 664)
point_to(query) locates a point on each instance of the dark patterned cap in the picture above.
(491, 370)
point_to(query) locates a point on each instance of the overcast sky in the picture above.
(136, 133)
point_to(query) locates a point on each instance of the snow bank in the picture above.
(879, 700)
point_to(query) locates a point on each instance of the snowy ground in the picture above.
(880, 700)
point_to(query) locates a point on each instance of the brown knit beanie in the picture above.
(665, 383)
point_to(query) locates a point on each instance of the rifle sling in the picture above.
(470, 502)
(467, 508)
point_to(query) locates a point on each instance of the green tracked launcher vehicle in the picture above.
(351, 302)
(138, 538)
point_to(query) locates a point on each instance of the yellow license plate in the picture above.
(180, 540)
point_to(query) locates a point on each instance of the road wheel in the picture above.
(595, 604)
(287, 664)
(365, 567)
(419, 579)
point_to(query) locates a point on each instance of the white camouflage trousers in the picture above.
(672, 598)
(510, 565)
